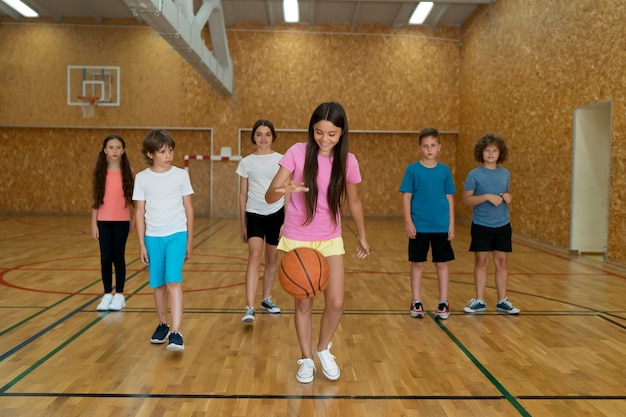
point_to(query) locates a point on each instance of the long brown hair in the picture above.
(334, 113)
(100, 174)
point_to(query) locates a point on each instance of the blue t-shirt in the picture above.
(430, 210)
(497, 181)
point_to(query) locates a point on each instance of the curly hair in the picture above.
(334, 113)
(488, 140)
(100, 174)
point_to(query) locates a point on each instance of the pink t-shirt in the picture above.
(114, 207)
(322, 226)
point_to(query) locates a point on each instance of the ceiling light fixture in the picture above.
(421, 12)
(21, 8)
(290, 11)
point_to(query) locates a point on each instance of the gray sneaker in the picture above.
(269, 306)
(248, 316)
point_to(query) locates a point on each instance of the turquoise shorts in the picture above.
(331, 247)
(167, 256)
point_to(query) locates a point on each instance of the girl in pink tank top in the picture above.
(111, 218)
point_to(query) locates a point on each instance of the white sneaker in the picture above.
(306, 371)
(117, 303)
(329, 366)
(104, 304)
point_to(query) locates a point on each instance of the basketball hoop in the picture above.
(88, 105)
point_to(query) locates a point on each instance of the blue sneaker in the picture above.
(505, 306)
(176, 342)
(161, 333)
(475, 306)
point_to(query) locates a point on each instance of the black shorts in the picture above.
(442, 249)
(265, 227)
(487, 239)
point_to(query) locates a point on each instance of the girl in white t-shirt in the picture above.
(260, 221)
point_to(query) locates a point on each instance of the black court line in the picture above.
(256, 396)
(316, 397)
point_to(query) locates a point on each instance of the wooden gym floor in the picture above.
(564, 355)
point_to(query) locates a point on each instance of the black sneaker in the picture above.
(161, 333)
(176, 342)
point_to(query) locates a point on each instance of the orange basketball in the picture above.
(303, 273)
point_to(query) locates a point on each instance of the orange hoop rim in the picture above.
(90, 100)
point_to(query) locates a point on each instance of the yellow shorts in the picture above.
(332, 247)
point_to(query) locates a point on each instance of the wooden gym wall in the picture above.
(387, 80)
(525, 67)
(521, 69)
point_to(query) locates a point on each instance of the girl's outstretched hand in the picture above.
(363, 249)
(292, 187)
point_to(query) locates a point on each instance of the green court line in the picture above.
(510, 398)
(50, 354)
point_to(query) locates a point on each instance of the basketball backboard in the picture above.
(95, 81)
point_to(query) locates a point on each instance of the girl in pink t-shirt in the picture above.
(317, 177)
(110, 217)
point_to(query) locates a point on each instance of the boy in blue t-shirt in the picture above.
(428, 208)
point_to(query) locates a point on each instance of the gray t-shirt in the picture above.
(497, 181)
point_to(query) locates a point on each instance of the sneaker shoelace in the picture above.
(306, 365)
(326, 358)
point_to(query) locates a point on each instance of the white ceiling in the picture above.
(392, 13)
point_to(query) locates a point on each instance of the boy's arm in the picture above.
(450, 198)
(409, 227)
(356, 210)
(469, 199)
(189, 213)
(140, 225)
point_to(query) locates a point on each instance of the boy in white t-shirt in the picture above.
(164, 222)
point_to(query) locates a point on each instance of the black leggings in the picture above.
(113, 236)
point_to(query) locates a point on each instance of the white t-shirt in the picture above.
(163, 193)
(260, 171)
